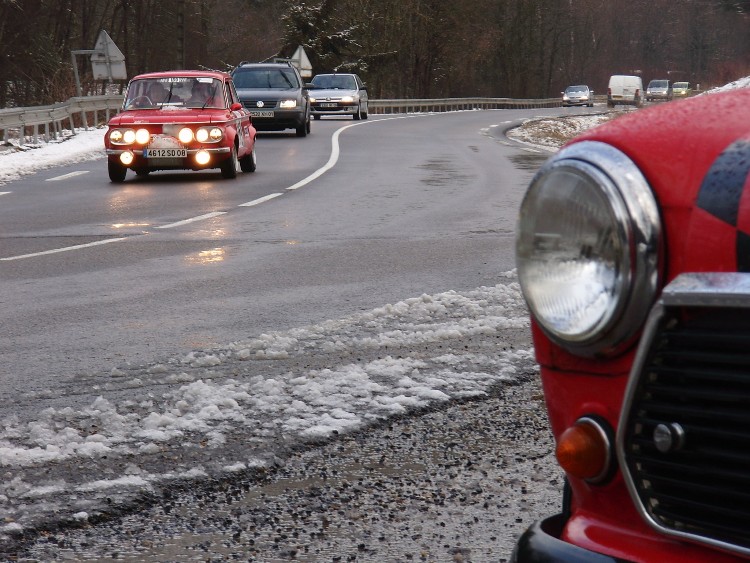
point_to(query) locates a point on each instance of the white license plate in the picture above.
(165, 153)
(261, 114)
(328, 105)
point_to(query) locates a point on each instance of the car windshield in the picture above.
(335, 81)
(174, 92)
(265, 78)
(658, 84)
(575, 89)
(680, 85)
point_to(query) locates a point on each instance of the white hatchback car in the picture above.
(338, 94)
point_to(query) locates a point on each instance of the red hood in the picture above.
(161, 116)
(695, 154)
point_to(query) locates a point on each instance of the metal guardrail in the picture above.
(456, 104)
(46, 122)
(25, 122)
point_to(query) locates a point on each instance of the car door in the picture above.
(362, 94)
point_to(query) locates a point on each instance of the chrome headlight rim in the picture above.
(638, 227)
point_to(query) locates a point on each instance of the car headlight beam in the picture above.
(588, 248)
(142, 136)
(185, 135)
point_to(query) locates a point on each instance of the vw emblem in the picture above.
(259, 103)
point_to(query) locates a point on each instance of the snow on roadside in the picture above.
(550, 133)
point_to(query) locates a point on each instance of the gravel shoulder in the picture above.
(458, 484)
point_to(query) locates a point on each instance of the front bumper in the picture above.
(190, 152)
(541, 543)
(338, 110)
(218, 155)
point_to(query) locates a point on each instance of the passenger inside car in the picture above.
(202, 94)
(157, 93)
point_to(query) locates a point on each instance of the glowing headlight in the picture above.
(347, 99)
(185, 135)
(587, 248)
(288, 104)
(205, 134)
(116, 136)
(312, 100)
(128, 136)
(142, 136)
(202, 157)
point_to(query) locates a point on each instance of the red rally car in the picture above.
(180, 120)
(633, 255)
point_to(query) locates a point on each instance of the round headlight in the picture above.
(142, 136)
(185, 135)
(128, 136)
(216, 134)
(115, 136)
(201, 135)
(587, 248)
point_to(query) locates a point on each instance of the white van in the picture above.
(624, 89)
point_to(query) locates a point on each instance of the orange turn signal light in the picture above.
(584, 450)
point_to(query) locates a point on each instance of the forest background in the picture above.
(401, 48)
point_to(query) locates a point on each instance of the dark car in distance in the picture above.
(275, 95)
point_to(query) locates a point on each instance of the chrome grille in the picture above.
(253, 104)
(692, 374)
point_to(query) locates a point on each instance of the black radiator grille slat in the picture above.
(696, 376)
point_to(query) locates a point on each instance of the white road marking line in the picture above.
(259, 200)
(530, 150)
(191, 220)
(66, 176)
(4, 193)
(335, 151)
(65, 249)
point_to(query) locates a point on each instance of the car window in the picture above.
(572, 89)
(265, 78)
(334, 81)
(175, 92)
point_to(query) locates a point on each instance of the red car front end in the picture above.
(633, 254)
(180, 120)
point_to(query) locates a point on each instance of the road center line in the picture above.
(259, 200)
(66, 176)
(65, 249)
(191, 220)
(335, 152)
(4, 193)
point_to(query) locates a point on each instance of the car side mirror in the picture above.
(235, 106)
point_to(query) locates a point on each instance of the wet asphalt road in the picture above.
(455, 483)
